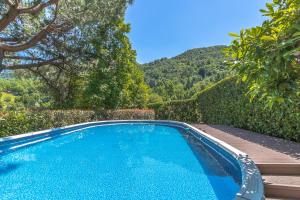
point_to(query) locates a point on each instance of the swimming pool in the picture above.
(124, 160)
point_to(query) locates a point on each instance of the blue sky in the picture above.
(165, 28)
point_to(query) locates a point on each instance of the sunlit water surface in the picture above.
(115, 162)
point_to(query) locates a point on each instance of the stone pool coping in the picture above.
(251, 183)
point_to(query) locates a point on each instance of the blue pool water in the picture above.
(121, 161)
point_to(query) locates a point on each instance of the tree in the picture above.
(116, 81)
(31, 29)
(52, 40)
(267, 57)
(17, 94)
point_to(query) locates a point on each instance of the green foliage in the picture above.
(155, 98)
(14, 123)
(109, 78)
(168, 90)
(55, 37)
(71, 22)
(226, 103)
(17, 122)
(124, 114)
(116, 82)
(178, 78)
(267, 57)
(7, 101)
(179, 110)
(23, 93)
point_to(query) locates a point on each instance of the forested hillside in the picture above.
(181, 76)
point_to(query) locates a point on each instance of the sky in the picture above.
(166, 28)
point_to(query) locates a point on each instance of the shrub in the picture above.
(14, 122)
(226, 103)
(128, 114)
(182, 110)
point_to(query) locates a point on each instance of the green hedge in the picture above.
(226, 103)
(183, 110)
(126, 114)
(14, 122)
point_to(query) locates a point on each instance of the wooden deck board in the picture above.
(261, 148)
(278, 159)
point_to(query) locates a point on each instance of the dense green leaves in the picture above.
(16, 94)
(51, 32)
(225, 103)
(116, 81)
(180, 77)
(267, 57)
(17, 122)
(52, 40)
(180, 110)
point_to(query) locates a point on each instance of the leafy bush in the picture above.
(226, 103)
(182, 110)
(14, 122)
(267, 57)
(126, 114)
(7, 101)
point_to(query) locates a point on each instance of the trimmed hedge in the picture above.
(12, 123)
(17, 122)
(126, 114)
(226, 103)
(182, 110)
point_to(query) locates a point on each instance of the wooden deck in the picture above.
(277, 159)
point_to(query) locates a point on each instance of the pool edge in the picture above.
(252, 184)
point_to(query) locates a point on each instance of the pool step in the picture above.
(279, 168)
(281, 180)
(282, 191)
(285, 180)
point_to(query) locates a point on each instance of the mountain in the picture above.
(183, 75)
